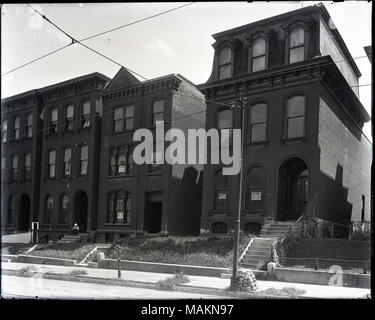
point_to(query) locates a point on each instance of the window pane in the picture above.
(52, 157)
(69, 111)
(3, 163)
(259, 113)
(17, 123)
(84, 165)
(295, 107)
(258, 132)
(86, 108)
(54, 115)
(296, 54)
(67, 154)
(119, 113)
(225, 71)
(225, 119)
(84, 152)
(259, 64)
(129, 124)
(221, 181)
(297, 37)
(225, 56)
(129, 112)
(295, 127)
(255, 177)
(158, 106)
(28, 160)
(158, 117)
(30, 120)
(65, 202)
(221, 200)
(119, 125)
(255, 199)
(15, 162)
(259, 47)
(5, 125)
(49, 203)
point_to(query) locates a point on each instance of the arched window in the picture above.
(221, 188)
(297, 45)
(295, 117)
(64, 209)
(48, 211)
(219, 227)
(258, 122)
(11, 210)
(225, 63)
(255, 189)
(258, 55)
(225, 121)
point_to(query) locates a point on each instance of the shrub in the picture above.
(77, 272)
(171, 282)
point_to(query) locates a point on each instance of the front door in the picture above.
(80, 210)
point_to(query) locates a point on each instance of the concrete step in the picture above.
(258, 251)
(266, 257)
(262, 240)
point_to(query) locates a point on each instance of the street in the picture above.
(38, 288)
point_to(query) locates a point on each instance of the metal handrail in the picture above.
(247, 248)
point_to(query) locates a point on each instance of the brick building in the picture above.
(304, 153)
(155, 198)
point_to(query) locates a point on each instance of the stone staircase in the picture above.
(71, 238)
(260, 252)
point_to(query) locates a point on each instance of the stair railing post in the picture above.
(118, 263)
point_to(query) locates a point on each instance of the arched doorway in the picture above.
(292, 189)
(80, 210)
(24, 213)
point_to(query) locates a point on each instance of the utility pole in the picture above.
(242, 107)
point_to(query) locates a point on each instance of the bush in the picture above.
(171, 282)
(73, 251)
(77, 272)
(283, 247)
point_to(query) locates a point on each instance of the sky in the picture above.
(176, 42)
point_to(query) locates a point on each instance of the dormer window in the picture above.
(258, 56)
(297, 45)
(225, 63)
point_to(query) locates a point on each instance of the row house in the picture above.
(304, 150)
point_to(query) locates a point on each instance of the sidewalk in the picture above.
(196, 284)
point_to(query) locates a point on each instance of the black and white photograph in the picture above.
(190, 151)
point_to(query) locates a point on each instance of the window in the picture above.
(219, 227)
(225, 63)
(51, 173)
(29, 126)
(3, 167)
(121, 161)
(258, 56)
(48, 210)
(16, 132)
(155, 167)
(67, 162)
(129, 117)
(118, 118)
(14, 171)
(255, 187)
(119, 207)
(53, 116)
(157, 111)
(11, 210)
(295, 117)
(258, 122)
(4, 131)
(225, 121)
(64, 209)
(85, 115)
(27, 167)
(69, 112)
(123, 118)
(83, 160)
(297, 45)
(221, 191)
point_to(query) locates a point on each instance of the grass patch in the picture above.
(211, 252)
(171, 282)
(288, 292)
(78, 272)
(73, 251)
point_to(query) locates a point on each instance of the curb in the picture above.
(144, 285)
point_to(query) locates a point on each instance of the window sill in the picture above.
(120, 176)
(301, 139)
(260, 143)
(159, 173)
